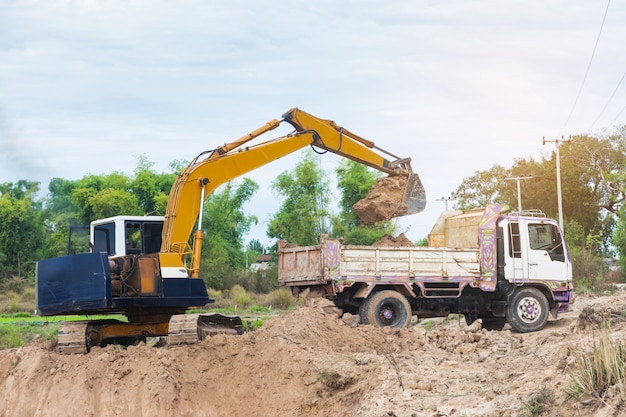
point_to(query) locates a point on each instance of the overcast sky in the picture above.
(88, 86)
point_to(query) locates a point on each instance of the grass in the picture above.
(539, 402)
(18, 329)
(19, 326)
(601, 371)
(14, 335)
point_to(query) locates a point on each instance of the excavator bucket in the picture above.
(414, 196)
(390, 197)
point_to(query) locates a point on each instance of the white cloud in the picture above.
(87, 86)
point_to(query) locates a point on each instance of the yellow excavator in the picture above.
(148, 267)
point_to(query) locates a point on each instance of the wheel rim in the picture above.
(529, 309)
(388, 314)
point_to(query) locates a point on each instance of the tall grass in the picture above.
(600, 372)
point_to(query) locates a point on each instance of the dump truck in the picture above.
(489, 264)
(147, 268)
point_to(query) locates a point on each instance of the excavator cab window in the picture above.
(152, 236)
(132, 231)
(104, 238)
(143, 237)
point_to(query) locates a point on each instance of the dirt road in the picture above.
(309, 362)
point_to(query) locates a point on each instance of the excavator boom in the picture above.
(232, 160)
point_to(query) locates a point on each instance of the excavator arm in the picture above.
(213, 168)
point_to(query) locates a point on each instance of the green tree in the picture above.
(591, 193)
(21, 228)
(225, 224)
(482, 188)
(619, 240)
(151, 189)
(256, 246)
(618, 237)
(354, 181)
(73, 203)
(303, 215)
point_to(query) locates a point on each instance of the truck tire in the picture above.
(386, 308)
(528, 310)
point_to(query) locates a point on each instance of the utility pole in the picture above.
(558, 175)
(446, 199)
(519, 189)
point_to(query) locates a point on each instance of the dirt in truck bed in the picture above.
(310, 362)
(388, 241)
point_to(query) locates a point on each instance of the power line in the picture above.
(609, 101)
(588, 67)
(618, 115)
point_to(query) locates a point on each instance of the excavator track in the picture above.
(73, 338)
(78, 337)
(190, 328)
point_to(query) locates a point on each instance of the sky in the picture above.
(87, 87)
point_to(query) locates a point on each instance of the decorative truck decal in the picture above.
(488, 246)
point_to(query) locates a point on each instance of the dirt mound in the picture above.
(601, 313)
(384, 200)
(310, 362)
(395, 242)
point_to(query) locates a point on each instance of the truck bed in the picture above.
(333, 261)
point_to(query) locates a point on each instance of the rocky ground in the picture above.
(309, 362)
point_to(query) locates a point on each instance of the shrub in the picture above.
(539, 402)
(281, 298)
(600, 370)
(239, 295)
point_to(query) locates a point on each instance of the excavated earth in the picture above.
(384, 201)
(310, 362)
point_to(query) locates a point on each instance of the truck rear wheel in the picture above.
(528, 310)
(386, 308)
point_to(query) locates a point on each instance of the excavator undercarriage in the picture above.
(81, 336)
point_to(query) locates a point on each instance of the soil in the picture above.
(395, 242)
(310, 362)
(384, 201)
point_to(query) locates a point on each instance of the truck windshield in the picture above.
(546, 237)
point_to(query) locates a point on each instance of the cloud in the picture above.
(86, 86)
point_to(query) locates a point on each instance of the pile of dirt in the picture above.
(312, 362)
(384, 201)
(395, 242)
(602, 313)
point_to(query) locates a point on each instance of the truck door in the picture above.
(516, 265)
(534, 249)
(546, 252)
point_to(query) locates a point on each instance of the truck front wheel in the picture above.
(386, 308)
(528, 310)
